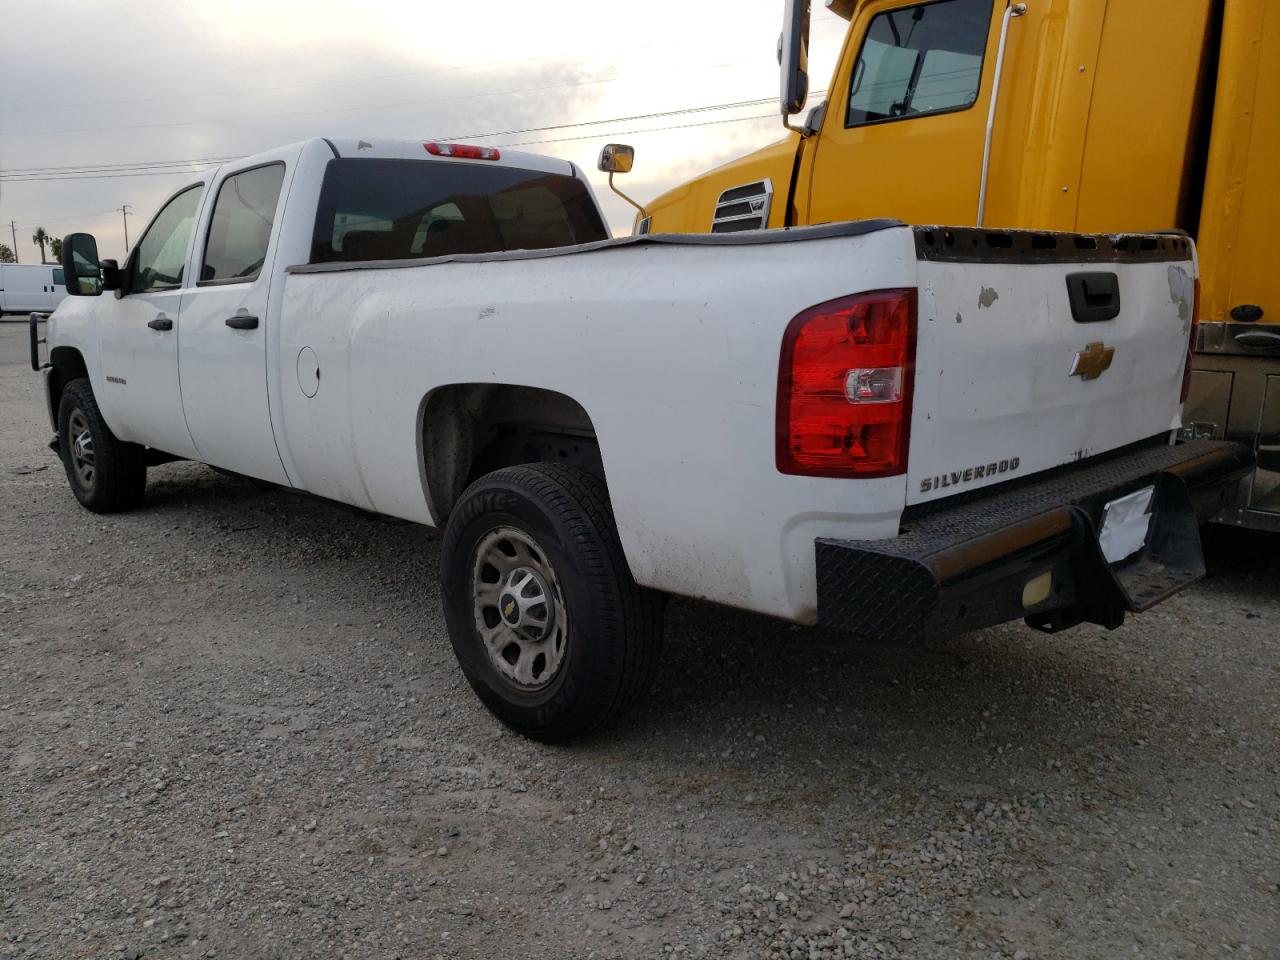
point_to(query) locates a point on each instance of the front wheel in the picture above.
(106, 474)
(547, 623)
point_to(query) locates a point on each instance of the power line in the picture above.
(102, 176)
(110, 174)
(627, 133)
(125, 164)
(174, 167)
(593, 123)
(114, 171)
(76, 217)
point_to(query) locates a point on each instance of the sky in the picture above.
(140, 81)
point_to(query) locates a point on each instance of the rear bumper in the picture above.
(968, 563)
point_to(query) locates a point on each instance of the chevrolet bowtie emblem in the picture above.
(1091, 362)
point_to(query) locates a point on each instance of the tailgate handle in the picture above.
(1094, 296)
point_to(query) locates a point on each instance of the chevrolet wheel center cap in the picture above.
(510, 609)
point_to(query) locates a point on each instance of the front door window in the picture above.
(162, 251)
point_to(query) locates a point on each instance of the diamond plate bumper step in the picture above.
(966, 562)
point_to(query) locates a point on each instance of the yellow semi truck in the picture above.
(1071, 115)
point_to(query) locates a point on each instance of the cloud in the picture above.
(146, 80)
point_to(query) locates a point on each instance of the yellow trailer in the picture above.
(1075, 115)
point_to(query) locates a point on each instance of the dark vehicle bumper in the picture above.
(982, 559)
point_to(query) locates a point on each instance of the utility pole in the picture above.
(13, 227)
(124, 215)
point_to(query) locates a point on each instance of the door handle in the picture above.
(242, 321)
(161, 323)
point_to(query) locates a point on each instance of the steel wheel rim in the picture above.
(519, 609)
(80, 444)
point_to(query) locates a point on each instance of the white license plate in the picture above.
(1125, 524)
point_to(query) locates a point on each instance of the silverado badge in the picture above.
(1091, 362)
(954, 478)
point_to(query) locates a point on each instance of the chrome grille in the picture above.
(743, 208)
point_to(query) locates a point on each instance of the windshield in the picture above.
(402, 209)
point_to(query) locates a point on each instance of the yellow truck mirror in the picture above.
(617, 158)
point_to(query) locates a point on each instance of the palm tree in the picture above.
(40, 238)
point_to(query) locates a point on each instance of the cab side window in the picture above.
(240, 230)
(162, 251)
(919, 60)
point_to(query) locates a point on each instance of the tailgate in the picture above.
(1034, 350)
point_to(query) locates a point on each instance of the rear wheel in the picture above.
(106, 474)
(547, 623)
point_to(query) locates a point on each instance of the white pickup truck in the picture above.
(904, 431)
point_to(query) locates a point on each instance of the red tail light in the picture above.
(464, 151)
(844, 387)
(1191, 346)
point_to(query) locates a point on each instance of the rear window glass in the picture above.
(240, 230)
(402, 209)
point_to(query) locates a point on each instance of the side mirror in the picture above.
(793, 57)
(617, 158)
(82, 273)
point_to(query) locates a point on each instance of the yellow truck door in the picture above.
(904, 126)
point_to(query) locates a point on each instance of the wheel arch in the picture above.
(468, 429)
(65, 364)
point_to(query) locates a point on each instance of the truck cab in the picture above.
(209, 269)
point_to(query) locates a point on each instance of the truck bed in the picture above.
(670, 344)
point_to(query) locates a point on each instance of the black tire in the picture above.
(613, 627)
(118, 475)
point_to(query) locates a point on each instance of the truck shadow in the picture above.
(747, 695)
(1004, 711)
(1244, 562)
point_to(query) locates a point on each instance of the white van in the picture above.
(25, 287)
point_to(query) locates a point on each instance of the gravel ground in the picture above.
(231, 726)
